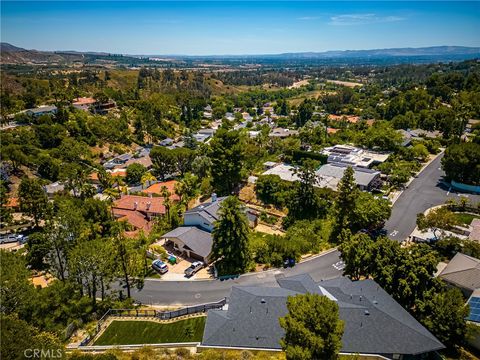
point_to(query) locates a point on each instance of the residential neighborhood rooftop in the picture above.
(374, 322)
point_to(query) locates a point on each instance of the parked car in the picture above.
(192, 269)
(159, 266)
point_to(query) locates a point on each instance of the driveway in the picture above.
(162, 292)
(427, 190)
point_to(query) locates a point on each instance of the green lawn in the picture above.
(150, 332)
(466, 219)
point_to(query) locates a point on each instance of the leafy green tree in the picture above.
(271, 189)
(19, 339)
(437, 219)
(313, 329)
(135, 172)
(5, 212)
(382, 136)
(105, 179)
(230, 238)
(48, 167)
(444, 315)
(16, 290)
(33, 199)
(184, 158)
(38, 250)
(345, 203)
(304, 202)
(356, 253)
(226, 154)
(147, 178)
(129, 259)
(370, 212)
(421, 152)
(462, 163)
(188, 188)
(163, 161)
(76, 179)
(91, 264)
(15, 155)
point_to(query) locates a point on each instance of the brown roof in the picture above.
(140, 203)
(332, 130)
(144, 160)
(462, 271)
(350, 118)
(84, 101)
(157, 189)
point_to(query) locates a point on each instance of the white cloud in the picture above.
(362, 19)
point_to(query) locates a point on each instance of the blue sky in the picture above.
(248, 27)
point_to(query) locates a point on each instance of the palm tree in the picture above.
(105, 179)
(166, 200)
(147, 178)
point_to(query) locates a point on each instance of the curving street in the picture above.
(427, 190)
(161, 292)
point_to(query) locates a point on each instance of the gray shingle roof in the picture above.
(374, 322)
(209, 211)
(362, 176)
(42, 109)
(199, 241)
(462, 271)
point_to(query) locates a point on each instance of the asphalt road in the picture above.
(160, 292)
(427, 190)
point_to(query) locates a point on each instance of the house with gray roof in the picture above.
(194, 238)
(375, 324)
(463, 272)
(192, 241)
(42, 110)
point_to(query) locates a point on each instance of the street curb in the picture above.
(326, 252)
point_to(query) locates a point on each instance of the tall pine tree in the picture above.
(230, 238)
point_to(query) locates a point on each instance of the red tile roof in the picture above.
(157, 189)
(143, 204)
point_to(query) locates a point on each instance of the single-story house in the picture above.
(84, 103)
(42, 110)
(462, 272)
(282, 133)
(192, 241)
(374, 323)
(329, 175)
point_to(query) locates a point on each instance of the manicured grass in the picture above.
(466, 219)
(149, 332)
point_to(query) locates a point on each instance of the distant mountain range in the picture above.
(11, 54)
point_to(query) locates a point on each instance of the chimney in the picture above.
(149, 194)
(135, 205)
(214, 197)
(149, 203)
